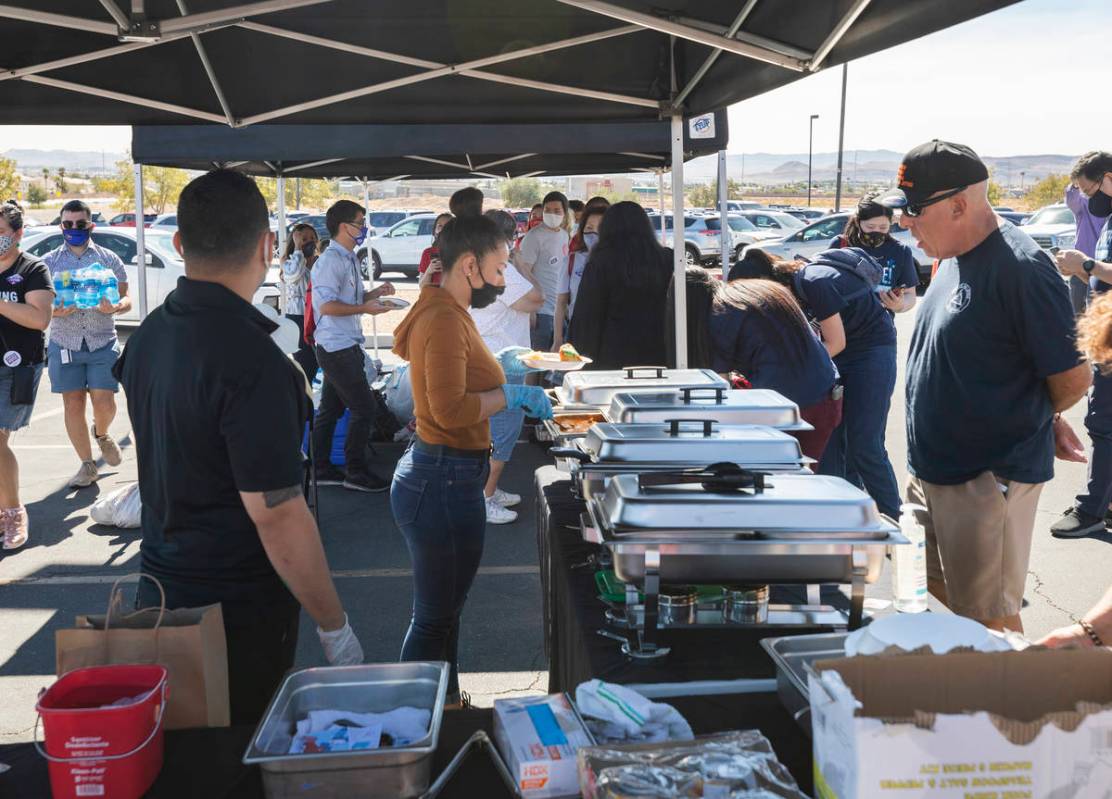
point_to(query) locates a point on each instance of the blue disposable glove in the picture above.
(530, 399)
(511, 364)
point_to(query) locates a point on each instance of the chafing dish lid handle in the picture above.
(674, 426)
(658, 372)
(688, 391)
(570, 452)
(718, 477)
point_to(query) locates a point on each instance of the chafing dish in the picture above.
(793, 655)
(608, 449)
(597, 389)
(726, 406)
(727, 524)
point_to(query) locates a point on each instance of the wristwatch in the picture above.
(1088, 265)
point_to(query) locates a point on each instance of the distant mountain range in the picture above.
(30, 162)
(864, 166)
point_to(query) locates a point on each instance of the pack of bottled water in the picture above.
(86, 287)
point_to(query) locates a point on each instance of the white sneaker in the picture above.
(496, 514)
(505, 498)
(86, 475)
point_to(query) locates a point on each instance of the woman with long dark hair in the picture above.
(302, 250)
(757, 329)
(870, 229)
(429, 267)
(619, 310)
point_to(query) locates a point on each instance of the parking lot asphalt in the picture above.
(70, 563)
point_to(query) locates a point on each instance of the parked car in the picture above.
(164, 265)
(702, 235)
(742, 205)
(804, 244)
(1015, 217)
(1052, 226)
(126, 220)
(779, 221)
(167, 222)
(98, 219)
(378, 222)
(399, 248)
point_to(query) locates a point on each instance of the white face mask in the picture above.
(554, 220)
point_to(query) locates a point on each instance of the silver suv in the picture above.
(702, 235)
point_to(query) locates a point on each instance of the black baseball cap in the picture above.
(933, 167)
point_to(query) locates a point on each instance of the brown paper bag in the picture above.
(189, 642)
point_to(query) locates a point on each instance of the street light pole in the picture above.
(810, 155)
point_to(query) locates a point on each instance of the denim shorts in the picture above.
(85, 369)
(13, 417)
(505, 427)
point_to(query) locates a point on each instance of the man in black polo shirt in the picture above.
(218, 413)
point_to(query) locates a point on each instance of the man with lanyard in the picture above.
(992, 365)
(1093, 176)
(26, 295)
(339, 302)
(219, 412)
(83, 345)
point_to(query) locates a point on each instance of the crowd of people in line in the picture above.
(994, 360)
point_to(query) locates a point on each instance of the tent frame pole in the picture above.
(739, 20)
(283, 295)
(679, 260)
(836, 35)
(723, 215)
(140, 242)
(660, 200)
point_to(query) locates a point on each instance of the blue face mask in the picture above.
(75, 237)
(590, 239)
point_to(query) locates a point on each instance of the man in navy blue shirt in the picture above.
(1093, 175)
(992, 363)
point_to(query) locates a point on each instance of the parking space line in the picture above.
(47, 414)
(108, 579)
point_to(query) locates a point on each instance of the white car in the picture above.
(164, 265)
(806, 243)
(167, 222)
(778, 222)
(1052, 226)
(399, 248)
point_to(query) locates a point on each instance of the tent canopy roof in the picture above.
(381, 152)
(244, 62)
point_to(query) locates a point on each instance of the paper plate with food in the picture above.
(393, 302)
(566, 360)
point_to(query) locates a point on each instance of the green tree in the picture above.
(520, 192)
(60, 180)
(703, 196)
(995, 193)
(161, 187)
(1049, 190)
(314, 193)
(36, 195)
(9, 180)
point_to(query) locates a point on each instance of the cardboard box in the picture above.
(1035, 724)
(538, 738)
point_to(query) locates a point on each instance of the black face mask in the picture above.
(873, 239)
(1100, 204)
(309, 250)
(486, 294)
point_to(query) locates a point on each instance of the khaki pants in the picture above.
(978, 541)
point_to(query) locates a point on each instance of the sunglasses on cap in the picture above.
(80, 224)
(916, 209)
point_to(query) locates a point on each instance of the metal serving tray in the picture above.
(792, 656)
(691, 441)
(400, 771)
(791, 506)
(727, 406)
(599, 388)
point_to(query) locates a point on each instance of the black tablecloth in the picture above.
(574, 614)
(206, 763)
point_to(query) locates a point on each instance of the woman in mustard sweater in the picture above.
(458, 384)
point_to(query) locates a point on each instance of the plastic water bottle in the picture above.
(111, 288)
(911, 562)
(68, 298)
(86, 291)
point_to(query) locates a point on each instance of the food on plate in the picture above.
(577, 422)
(568, 353)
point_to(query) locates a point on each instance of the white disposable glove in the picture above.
(341, 647)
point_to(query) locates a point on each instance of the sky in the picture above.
(1030, 79)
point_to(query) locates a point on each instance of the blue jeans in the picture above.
(856, 449)
(1098, 421)
(438, 505)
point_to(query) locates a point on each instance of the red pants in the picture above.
(824, 417)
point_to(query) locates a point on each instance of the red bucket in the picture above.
(94, 750)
